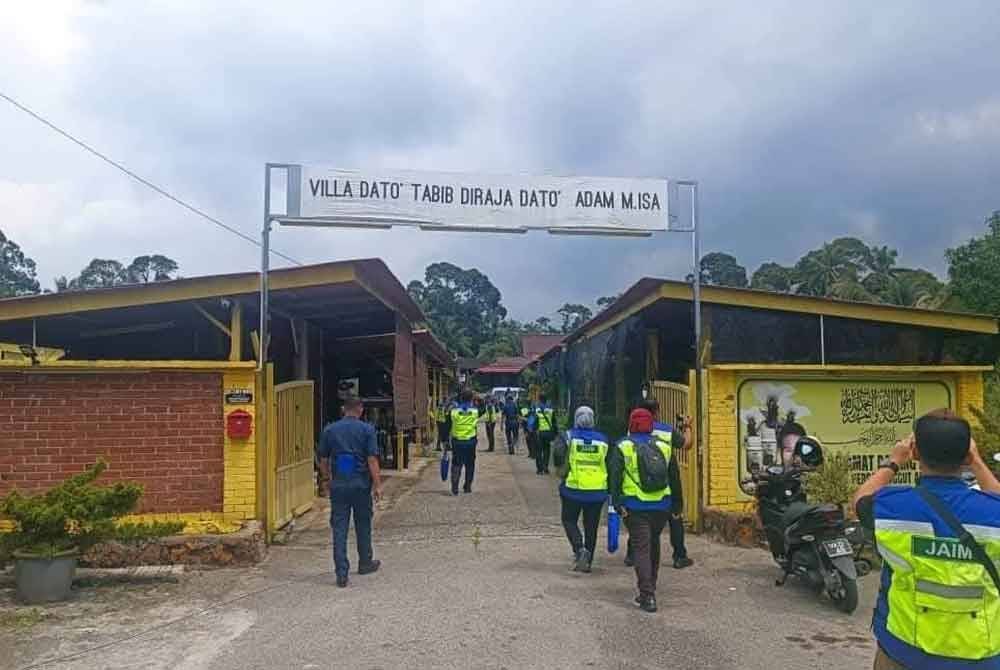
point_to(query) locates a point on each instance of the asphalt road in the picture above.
(483, 581)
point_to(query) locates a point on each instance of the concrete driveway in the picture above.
(475, 581)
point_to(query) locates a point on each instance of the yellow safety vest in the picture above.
(940, 599)
(525, 412)
(586, 452)
(463, 423)
(630, 480)
(544, 418)
(441, 415)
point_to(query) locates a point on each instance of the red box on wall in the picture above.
(239, 424)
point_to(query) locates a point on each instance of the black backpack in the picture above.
(653, 470)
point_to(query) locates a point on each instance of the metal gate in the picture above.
(293, 445)
(673, 399)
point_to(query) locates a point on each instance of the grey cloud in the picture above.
(803, 122)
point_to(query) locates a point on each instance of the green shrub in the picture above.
(831, 482)
(987, 434)
(75, 515)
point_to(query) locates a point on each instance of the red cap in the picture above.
(640, 421)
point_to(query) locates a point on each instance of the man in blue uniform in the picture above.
(511, 422)
(940, 541)
(348, 452)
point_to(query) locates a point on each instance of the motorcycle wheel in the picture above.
(847, 600)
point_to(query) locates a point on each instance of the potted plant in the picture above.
(52, 529)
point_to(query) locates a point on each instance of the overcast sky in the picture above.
(803, 122)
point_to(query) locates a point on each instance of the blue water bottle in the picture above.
(614, 527)
(444, 466)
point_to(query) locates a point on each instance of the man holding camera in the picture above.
(940, 592)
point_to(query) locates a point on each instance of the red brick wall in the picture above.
(162, 429)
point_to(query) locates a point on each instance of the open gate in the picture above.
(292, 446)
(673, 399)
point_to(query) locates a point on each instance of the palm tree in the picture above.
(817, 272)
(849, 288)
(881, 266)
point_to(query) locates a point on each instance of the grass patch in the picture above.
(22, 619)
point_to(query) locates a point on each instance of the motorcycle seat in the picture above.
(796, 511)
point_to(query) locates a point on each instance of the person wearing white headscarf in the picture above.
(581, 454)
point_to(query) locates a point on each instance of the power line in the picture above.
(141, 180)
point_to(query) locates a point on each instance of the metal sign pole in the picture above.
(698, 412)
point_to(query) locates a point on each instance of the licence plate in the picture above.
(838, 547)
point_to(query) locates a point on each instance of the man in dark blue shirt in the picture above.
(348, 457)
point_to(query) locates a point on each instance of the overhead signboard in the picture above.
(461, 201)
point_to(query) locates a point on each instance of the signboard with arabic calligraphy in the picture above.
(859, 417)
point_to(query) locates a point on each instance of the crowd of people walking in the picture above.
(636, 477)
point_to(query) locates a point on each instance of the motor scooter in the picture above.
(806, 540)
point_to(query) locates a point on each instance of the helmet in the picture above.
(809, 451)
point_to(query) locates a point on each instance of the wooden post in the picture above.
(236, 332)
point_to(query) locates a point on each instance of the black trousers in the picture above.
(442, 434)
(463, 456)
(571, 510)
(644, 530)
(543, 447)
(490, 428)
(510, 432)
(531, 438)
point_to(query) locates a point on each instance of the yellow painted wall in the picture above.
(240, 456)
(722, 448)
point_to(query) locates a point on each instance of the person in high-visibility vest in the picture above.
(490, 421)
(938, 602)
(679, 438)
(545, 431)
(581, 455)
(464, 426)
(646, 512)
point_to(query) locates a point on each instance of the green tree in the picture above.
(606, 301)
(104, 273)
(573, 316)
(721, 269)
(145, 269)
(463, 307)
(506, 343)
(974, 269)
(17, 271)
(540, 326)
(773, 277)
(881, 266)
(837, 262)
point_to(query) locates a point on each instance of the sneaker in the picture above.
(466, 489)
(582, 561)
(342, 582)
(648, 604)
(681, 563)
(370, 568)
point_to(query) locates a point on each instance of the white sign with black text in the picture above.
(318, 196)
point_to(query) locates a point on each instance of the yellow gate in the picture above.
(292, 446)
(673, 399)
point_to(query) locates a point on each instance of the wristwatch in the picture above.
(889, 463)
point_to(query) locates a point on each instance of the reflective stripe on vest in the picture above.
(441, 415)
(525, 411)
(941, 600)
(630, 480)
(463, 423)
(544, 415)
(586, 454)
